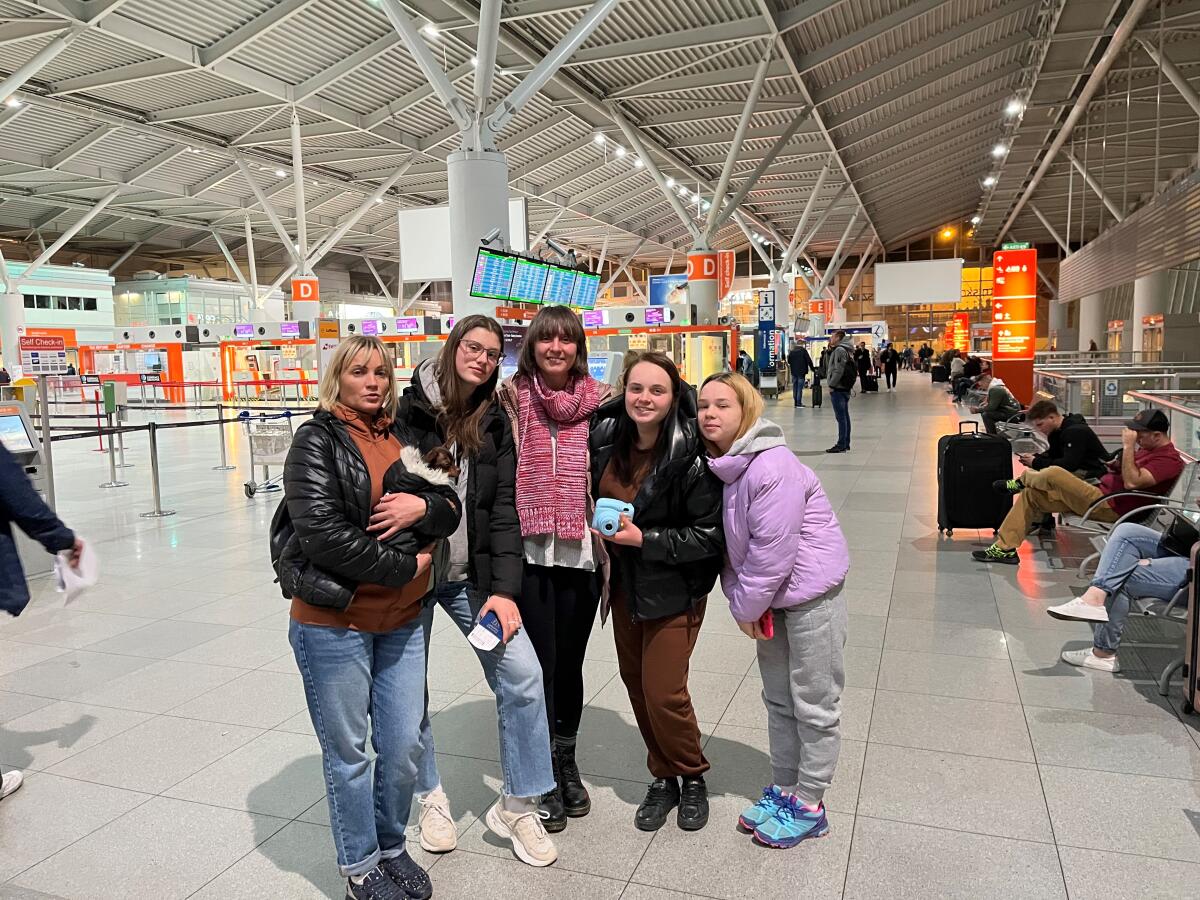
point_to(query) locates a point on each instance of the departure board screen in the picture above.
(289, 329)
(559, 283)
(493, 275)
(654, 315)
(585, 291)
(529, 281)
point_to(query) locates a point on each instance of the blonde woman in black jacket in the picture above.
(356, 602)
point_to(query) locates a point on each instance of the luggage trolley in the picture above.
(270, 438)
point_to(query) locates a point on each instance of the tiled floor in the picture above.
(162, 725)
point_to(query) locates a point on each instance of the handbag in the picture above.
(1181, 534)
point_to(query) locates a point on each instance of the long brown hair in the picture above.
(551, 322)
(460, 417)
(626, 432)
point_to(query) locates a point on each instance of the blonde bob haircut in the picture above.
(348, 351)
(748, 397)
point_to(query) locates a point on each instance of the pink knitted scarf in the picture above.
(552, 487)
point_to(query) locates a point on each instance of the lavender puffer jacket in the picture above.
(783, 542)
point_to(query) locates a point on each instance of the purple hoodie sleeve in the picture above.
(773, 520)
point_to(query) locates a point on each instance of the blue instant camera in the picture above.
(607, 519)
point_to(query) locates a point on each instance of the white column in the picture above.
(1149, 298)
(702, 284)
(12, 326)
(1092, 326)
(478, 182)
(783, 304)
(1057, 328)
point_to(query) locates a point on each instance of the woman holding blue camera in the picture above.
(646, 451)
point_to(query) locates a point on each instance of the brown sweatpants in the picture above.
(653, 657)
(1051, 490)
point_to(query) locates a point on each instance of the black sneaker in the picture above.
(661, 797)
(996, 553)
(576, 802)
(554, 819)
(693, 804)
(408, 875)
(1010, 486)
(836, 449)
(375, 886)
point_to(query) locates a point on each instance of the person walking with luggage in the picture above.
(891, 365)
(550, 402)
(862, 360)
(786, 562)
(646, 451)
(799, 364)
(454, 399)
(355, 617)
(841, 382)
(1137, 563)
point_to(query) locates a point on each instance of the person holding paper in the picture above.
(786, 562)
(22, 506)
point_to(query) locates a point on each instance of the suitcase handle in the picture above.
(963, 425)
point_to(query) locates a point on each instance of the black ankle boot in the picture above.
(576, 802)
(661, 797)
(693, 803)
(551, 803)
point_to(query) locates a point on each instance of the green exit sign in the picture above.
(1016, 245)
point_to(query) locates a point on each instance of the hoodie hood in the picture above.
(763, 435)
(426, 383)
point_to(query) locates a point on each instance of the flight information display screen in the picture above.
(529, 281)
(654, 315)
(493, 275)
(289, 329)
(243, 331)
(585, 291)
(559, 282)
(370, 326)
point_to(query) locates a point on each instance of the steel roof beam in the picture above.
(982, 122)
(284, 135)
(251, 31)
(241, 103)
(685, 39)
(879, 27)
(24, 29)
(485, 52)
(765, 133)
(1095, 186)
(88, 140)
(712, 112)
(157, 161)
(412, 98)
(346, 66)
(719, 78)
(1050, 228)
(735, 147)
(752, 178)
(73, 230)
(1174, 75)
(429, 65)
(35, 63)
(128, 74)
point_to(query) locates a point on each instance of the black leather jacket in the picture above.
(320, 547)
(678, 509)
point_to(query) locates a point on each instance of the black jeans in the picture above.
(890, 373)
(558, 606)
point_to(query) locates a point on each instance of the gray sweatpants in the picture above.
(803, 677)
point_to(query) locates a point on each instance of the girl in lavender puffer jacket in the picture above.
(786, 561)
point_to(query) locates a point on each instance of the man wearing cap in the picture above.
(1148, 462)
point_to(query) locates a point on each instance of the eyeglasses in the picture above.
(474, 350)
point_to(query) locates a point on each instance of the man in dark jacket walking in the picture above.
(799, 364)
(21, 505)
(842, 373)
(891, 365)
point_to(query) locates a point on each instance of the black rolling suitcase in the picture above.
(968, 463)
(816, 392)
(1191, 656)
(870, 384)
(939, 373)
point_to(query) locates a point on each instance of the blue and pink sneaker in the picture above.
(762, 811)
(791, 824)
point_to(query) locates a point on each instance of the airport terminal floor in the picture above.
(168, 753)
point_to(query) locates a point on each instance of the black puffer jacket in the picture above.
(320, 547)
(494, 548)
(1076, 448)
(678, 509)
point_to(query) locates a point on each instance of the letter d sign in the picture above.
(305, 290)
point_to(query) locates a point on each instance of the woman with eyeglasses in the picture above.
(454, 398)
(550, 402)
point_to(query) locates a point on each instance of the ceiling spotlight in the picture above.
(279, 173)
(637, 163)
(707, 206)
(670, 182)
(13, 102)
(1015, 107)
(430, 29)
(989, 181)
(598, 139)
(378, 199)
(975, 220)
(474, 60)
(947, 233)
(999, 150)
(619, 152)
(683, 192)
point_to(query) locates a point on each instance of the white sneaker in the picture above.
(1079, 610)
(529, 839)
(439, 834)
(1089, 660)
(10, 781)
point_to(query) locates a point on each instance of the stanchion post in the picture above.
(112, 460)
(158, 512)
(224, 466)
(96, 397)
(47, 453)
(121, 450)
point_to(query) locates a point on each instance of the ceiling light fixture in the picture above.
(279, 173)
(13, 102)
(637, 163)
(670, 182)
(999, 150)
(975, 220)
(1015, 107)
(474, 60)
(989, 181)
(598, 138)
(620, 151)
(430, 29)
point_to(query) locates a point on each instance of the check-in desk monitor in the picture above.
(17, 434)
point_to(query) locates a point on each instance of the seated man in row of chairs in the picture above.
(1148, 464)
(1071, 445)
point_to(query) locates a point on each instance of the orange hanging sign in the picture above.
(1014, 319)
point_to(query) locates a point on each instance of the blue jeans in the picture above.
(798, 389)
(1124, 578)
(350, 676)
(841, 410)
(514, 674)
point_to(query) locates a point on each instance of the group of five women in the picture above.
(478, 496)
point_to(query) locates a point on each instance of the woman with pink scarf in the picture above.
(550, 401)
